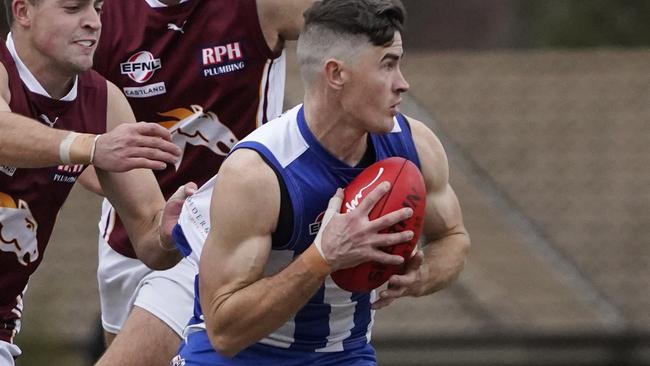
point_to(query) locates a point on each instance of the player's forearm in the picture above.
(151, 246)
(138, 201)
(255, 311)
(25, 143)
(444, 259)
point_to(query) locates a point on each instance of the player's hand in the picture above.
(406, 284)
(351, 238)
(135, 145)
(172, 211)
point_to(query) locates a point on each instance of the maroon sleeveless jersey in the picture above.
(30, 199)
(202, 69)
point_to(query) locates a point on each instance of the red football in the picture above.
(407, 190)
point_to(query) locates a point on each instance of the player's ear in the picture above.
(335, 74)
(22, 11)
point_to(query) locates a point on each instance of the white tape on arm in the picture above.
(64, 147)
(92, 150)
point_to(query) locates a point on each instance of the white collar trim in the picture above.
(28, 78)
(159, 4)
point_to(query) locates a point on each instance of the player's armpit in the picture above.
(281, 20)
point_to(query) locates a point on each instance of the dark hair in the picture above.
(376, 19)
(8, 13)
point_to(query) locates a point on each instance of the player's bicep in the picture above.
(118, 110)
(243, 215)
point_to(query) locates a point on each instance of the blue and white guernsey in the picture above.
(333, 319)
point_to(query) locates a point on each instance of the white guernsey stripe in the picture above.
(271, 90)
(342, 315)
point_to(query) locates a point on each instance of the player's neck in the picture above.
(55, 83)
(335, 132)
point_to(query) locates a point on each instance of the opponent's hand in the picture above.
(135, 145)
(406, 284)
(351, 238)
(172, 211)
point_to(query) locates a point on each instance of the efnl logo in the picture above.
(140, 67)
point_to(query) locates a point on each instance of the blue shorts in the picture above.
(199, 352)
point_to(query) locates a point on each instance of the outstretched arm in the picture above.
(136, 196)
(447, 242)
(240, 304)
(27, 143)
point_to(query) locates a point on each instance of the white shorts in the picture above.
(126, 282)
(7, 353)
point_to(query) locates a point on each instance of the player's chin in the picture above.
(82, 64)
(386, 126)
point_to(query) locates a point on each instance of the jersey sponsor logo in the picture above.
(357, 197)
(196, 127)
(315, 226)
(141, 66)
(145, 91)
(18, 230)
(9, 170)
(222, 59)
(67, 173)
(196, 216)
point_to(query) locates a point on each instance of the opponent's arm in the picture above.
(26, 143)
(281, 20)
(88, 179)
(136, 196)
(240, 305)
(446, 240)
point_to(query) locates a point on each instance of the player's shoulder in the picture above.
(245, 172)
(432, 154)
(280, 139)
(424, 137)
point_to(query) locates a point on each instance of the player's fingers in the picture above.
(397, 284)
(388, 295)
(190, 188)
(388, 239)
(372, 198)
(153, 129)
(416, 260)
(335, 202)
(158, 144)
(391, 219)
(143, 163)
(382, 302)
(183, 192)
(385, 258)
(152, 154)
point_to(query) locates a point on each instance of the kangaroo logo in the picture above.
(199, 128)
(20, 234)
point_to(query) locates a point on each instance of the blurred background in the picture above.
(544, 109)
